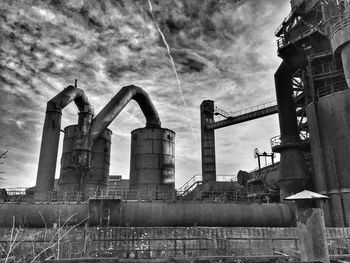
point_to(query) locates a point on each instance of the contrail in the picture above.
(173, 64)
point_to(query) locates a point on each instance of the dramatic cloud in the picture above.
(224, 50)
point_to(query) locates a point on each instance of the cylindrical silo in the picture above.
(152, 163)
(329, 125)
(95, 178)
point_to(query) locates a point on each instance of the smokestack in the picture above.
(51, 134)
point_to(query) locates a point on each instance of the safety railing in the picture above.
(268, 166)
(324, 68)
(332, 88)
(136, 195)
(341, 23)
(276, 140)
(254, 108)
(221, 112)
(171, 196)
(197, 179)
(108, 194)
(220, 196)
(190, 184)
(65, 197)
(256, 189)
(247, 110)
(16, 191)
(226, 178)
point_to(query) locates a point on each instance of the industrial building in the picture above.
(313, 105)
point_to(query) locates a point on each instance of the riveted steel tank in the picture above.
(85, 180)
(329, 128)
(152, 163)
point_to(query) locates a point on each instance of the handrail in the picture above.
(247, 110)
(190, 182)
(341, 23)
(16, 191)
(329, 89)
(276, 140)
(323, 68)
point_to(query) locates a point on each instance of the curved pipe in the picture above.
(51, 134)
(66, 96)
(117, 104)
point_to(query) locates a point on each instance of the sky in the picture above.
(223, 50)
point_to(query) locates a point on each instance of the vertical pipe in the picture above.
(51, 135)
(83, 141)
(48, 153)
(293, 170)
(207, 142)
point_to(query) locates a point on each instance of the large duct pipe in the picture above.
(51, 134)
(117, 104)
(150, 214)
(293, 170)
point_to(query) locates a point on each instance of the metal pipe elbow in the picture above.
(117, 104)
(66, 96)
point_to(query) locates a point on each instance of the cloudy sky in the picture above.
(224, 50)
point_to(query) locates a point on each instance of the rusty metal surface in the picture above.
(51, 135)
(207, 141)
(152, 163)
(74, 179)
(117, 104)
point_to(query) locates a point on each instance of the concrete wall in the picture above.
(158, 242)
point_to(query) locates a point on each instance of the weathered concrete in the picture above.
(312, 235)
(165, 242)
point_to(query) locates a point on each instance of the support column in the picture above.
(294, 174)
(207, 142)
(48, 153)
